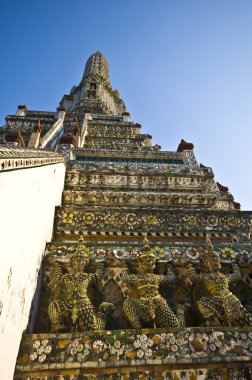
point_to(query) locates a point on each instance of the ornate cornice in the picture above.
(13, 158)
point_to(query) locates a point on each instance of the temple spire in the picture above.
(94, 91)
(97, 65)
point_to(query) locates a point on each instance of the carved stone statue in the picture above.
(219, 306)
(145, 304)
(71, 308)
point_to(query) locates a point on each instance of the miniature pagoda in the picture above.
(149, 272)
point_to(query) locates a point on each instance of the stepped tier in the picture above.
(72, 221)
(138, 199)
(134, 181)
(27, 122)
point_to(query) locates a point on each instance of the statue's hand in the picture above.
(236, 274)
(169, 273)
(236, 268)
(191, 270)
(169, 268)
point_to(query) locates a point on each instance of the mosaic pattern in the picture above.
(78, 220)
(141, 346)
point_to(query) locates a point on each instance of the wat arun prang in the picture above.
(149, 273)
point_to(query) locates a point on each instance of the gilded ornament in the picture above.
(232, 221)
(151, 220)
(228, 253)
(158, 252)
(67, 218)
(192, 253)
(88, 218)
(212, 221)
(131, 219)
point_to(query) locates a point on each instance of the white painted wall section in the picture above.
(27, 204)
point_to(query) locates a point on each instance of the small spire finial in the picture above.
(145, 241)
(208, 241)
(37, 127)
(97, 65)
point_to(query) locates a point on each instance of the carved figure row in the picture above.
(72, 310)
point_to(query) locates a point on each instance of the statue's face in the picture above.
(147, 262)
(78, 263)
(213, 263)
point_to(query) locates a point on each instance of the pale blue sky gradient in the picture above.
(183, 68)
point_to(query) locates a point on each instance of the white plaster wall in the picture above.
(27, 203)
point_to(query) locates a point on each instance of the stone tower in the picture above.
(149, 272)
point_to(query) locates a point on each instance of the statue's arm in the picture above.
(57, 270)
(236, 275)
(192, 274)
(99, 273)
(129, 279)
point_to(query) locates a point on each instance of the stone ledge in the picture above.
(146, 347)
(13, 158)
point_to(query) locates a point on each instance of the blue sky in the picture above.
(183, 68)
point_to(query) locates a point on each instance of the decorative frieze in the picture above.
(138, 199)
(165, 252)
(108, 142)
(123, 131)
(18, 158)
(164, 182)
(156, 155)
(76, 220)
(132, 166)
